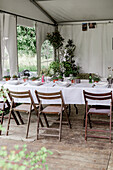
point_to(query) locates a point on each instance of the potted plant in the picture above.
(96, 78)
(60, 78)
(34, 78)
(7, 77)
(25, 78)
(55, 78)
(55, 68)
(72, 79)
(15, 77)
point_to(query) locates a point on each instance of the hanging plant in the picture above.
(55, 39)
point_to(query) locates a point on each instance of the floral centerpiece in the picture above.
(7, 77)
(25, 78)
(15, 77)
(34, 78)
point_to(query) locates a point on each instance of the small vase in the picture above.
(7, 79)
(55, 80)
(25, 80)
(72, 81)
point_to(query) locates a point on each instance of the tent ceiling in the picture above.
(78, 10)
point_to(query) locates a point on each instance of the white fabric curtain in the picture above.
(41, 33)
(11, 44)
(93, 47)
(1, 43)
(8, 43)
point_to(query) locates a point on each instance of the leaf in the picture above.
(16, 147)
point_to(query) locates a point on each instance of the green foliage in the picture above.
(69, 63)
(54, 78)
(3, 96)
(55, 67)
(14, 76)
(34, 78)
(96, 78)
(21, 158)
(86, 76)
(27, 67)
(7, 76)
(83, 75)
(55, 39)
(26, 40)
(3, 93)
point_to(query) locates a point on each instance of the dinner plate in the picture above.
(35, 83)
(101, 83)
(13, 82)
(65, 84)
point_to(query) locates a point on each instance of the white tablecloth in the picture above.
(72, 94)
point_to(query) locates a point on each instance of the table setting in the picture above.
(72, 92)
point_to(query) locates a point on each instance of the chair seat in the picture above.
(52, 109)
(99, 111)
(23, 108)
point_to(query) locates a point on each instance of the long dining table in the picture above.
(72, 94)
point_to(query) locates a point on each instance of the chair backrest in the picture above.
(20, 95)
(97, 96)
(49, 96)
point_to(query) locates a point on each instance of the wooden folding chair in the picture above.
(4, 107)
(98, 111)
(24, 107)
(54, 109)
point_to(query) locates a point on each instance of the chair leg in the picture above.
(28, 123)
(69, 112)
(110, 127)
(38, 120)
(76, 108)
(86, 128)
(20, 118)
(47, 124)
(68, 119)
(15, 118)
(2, 118)
(89, 121)
(8, 123)
(84, 119)
(60, 127)
(41, 122)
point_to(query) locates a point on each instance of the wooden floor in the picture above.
(72, 153)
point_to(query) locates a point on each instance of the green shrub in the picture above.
(22, 159)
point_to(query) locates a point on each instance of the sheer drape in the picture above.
(1, 43)
(11, 44)
(8, 42)
(41, 33)
(93, 47)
